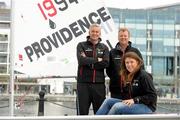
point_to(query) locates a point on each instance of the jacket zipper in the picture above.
(81, 71)
(94, 71)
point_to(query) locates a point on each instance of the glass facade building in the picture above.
(156, 33)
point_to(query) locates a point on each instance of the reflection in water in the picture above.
(30, 108)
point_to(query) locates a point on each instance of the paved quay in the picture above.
(71, 98)
(49, 97)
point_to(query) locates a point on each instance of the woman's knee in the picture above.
(107, 100)
(119, 106)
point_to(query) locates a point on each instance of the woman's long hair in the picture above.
(126, 76)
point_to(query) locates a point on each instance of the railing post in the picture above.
(41, 103)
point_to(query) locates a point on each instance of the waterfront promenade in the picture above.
(63, 105)
(72, 98)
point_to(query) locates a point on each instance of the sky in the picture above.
(136, 4)
(131, 4)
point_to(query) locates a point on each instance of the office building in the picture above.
(156, 33)
(4, 46)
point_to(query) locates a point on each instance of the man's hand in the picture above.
(83, 54)
(100, 59)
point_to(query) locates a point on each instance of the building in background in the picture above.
(4, 47)
(155, 31)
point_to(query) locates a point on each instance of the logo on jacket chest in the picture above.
(89, 51)
(135, 83)
(99, 51)
(117, 57)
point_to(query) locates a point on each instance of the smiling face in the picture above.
(131, 64)
(123, 37)
(94, 33)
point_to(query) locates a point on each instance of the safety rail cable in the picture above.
(15, 103)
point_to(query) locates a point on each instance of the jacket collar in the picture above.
(88, 39)
(118, 47)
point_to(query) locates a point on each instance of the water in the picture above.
(30, 108)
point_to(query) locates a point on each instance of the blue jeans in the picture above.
(113, 106)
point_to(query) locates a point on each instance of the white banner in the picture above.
(46, 33)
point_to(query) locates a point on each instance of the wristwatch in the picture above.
(136, 100)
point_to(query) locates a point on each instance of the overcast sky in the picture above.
(132, 4)
(135, 4)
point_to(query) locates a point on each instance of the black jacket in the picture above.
(115, 58)
(89, 69)
(142, 90)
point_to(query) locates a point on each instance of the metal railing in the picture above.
(101, 117)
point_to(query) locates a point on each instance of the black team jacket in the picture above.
(89, 69)
(115, 58)
(141, 90)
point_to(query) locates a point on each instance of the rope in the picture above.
(20, 101)
(14, 104)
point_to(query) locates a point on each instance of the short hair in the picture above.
(94, 25)
(124, 29)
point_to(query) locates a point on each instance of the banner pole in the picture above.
(11, 82)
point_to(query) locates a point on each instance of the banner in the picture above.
(46, 33)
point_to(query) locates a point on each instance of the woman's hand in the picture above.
(128, 102)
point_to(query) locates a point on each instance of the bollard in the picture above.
(41, 103)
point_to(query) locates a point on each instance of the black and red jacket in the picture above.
(141, 89)
(89, 69)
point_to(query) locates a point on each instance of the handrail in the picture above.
(101, 117)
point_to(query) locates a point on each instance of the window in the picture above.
(3, 68)
(169, 66)
(158, 69)
(178, 34)
(3, 37)
(3, 58)
(3, 47)
(165, 66)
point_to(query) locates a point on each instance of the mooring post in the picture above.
(41, 103)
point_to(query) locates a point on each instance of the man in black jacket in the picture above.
(93, 58)
(115, 58)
